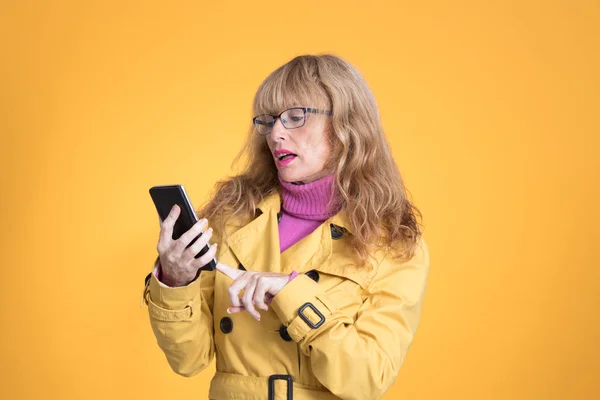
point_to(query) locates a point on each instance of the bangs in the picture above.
(291, 85)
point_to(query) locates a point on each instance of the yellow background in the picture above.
(491, 109)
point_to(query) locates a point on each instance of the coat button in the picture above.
(226, 325)
(312, 274)
(336, 232)
(240, 266)
(284, 333)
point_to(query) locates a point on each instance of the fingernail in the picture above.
(228, 311)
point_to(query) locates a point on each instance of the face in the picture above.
(309, 146)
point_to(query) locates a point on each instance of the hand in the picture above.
(179, 267)
(258, 286)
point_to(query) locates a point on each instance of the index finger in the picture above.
(231, 272)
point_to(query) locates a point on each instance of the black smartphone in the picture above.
(164, 198)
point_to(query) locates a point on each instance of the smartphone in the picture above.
(164, 197)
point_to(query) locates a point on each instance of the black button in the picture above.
(336, 232)
(147, 278)
(226, 325)
(240, 266)
(284, 333)
(278, 216)
(312, 274)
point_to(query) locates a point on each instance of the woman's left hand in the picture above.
(258, 288)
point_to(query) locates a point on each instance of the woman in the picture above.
(321, 267)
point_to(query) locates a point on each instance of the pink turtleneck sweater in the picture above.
(304, 208)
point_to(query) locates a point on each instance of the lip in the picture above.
(282, 151)
(285, 162)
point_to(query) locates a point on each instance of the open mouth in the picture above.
(283, 157)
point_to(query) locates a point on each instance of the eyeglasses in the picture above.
(291, 118)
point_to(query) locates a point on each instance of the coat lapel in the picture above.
(256, 245)
(309, 252)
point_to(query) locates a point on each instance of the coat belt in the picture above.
(240, 387)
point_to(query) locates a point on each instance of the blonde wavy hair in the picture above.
(370, 189)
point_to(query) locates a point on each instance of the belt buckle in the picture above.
(290, 386)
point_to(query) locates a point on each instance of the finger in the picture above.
(234, 309)
(247, 298)
(206, 257)
(198, 245)
(166, 228)
(236, 287)
(231, 272)
(260, 294)
(193, 232)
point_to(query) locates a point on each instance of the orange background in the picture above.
(492, 114)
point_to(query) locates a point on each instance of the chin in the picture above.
(291, 177)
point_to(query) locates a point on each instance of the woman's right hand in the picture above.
(178, 265)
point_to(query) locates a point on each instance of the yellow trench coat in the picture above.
(334, 332)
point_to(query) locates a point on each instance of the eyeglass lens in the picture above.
(292, 118)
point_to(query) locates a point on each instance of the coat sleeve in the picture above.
(182, 321)
(358, 358)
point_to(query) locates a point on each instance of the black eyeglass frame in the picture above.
(275, 117)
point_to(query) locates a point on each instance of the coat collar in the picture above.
(256, 246)
(258, 241)
(273, 202)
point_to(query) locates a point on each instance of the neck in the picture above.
(313, 201)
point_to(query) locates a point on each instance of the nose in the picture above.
(278, 131)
